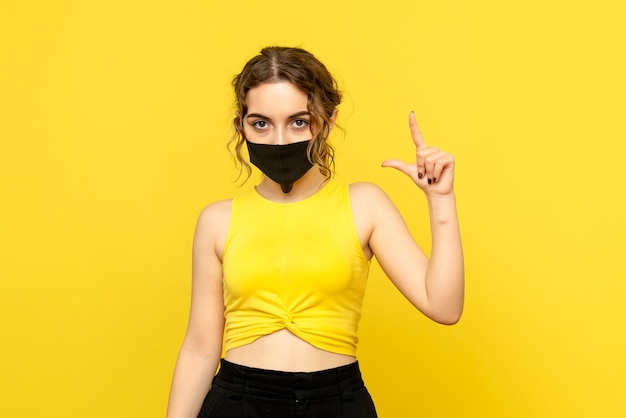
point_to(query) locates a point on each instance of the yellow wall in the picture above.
(113, 120)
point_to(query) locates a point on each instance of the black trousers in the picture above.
(245, 392)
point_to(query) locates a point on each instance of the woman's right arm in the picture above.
(202, 346)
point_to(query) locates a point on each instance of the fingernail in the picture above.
(420, 175)
(434, 180)
(430, 181)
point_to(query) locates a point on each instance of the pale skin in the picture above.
(278, 114)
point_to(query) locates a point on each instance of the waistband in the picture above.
(242, 380)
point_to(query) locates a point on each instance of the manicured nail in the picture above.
(434, 180)
(420, 175)
(430, 181)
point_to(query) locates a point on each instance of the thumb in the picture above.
(400, 165)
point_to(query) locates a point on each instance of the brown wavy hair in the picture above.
(301, 68)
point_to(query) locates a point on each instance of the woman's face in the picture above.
(277, 114)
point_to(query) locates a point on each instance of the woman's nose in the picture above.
(281, 136)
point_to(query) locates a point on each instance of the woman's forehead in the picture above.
(278, 98)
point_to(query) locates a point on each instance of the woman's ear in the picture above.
(331, 123)
(333, 119)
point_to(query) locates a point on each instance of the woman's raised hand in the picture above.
(433, 171)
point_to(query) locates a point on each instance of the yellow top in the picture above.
(297, 266)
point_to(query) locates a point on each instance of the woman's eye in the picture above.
(260, 124)
(300, 123)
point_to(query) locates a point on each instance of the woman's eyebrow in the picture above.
(256, 115)
(295, 115)
(301, 113)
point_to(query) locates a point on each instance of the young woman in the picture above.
(279, 272)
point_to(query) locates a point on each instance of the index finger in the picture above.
(418, 139)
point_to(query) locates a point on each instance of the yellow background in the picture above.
(113, 121)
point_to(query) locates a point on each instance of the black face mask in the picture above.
(284, 164)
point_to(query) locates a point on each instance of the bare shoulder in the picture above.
(363, 190)
(371, 204)
(372, 210)
(212, 226)
(364, 195)
(217, 212)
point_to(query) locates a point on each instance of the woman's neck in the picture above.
(306, 186)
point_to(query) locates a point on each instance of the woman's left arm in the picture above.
(434, 286)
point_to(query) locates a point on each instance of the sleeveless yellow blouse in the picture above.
(297, 266)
